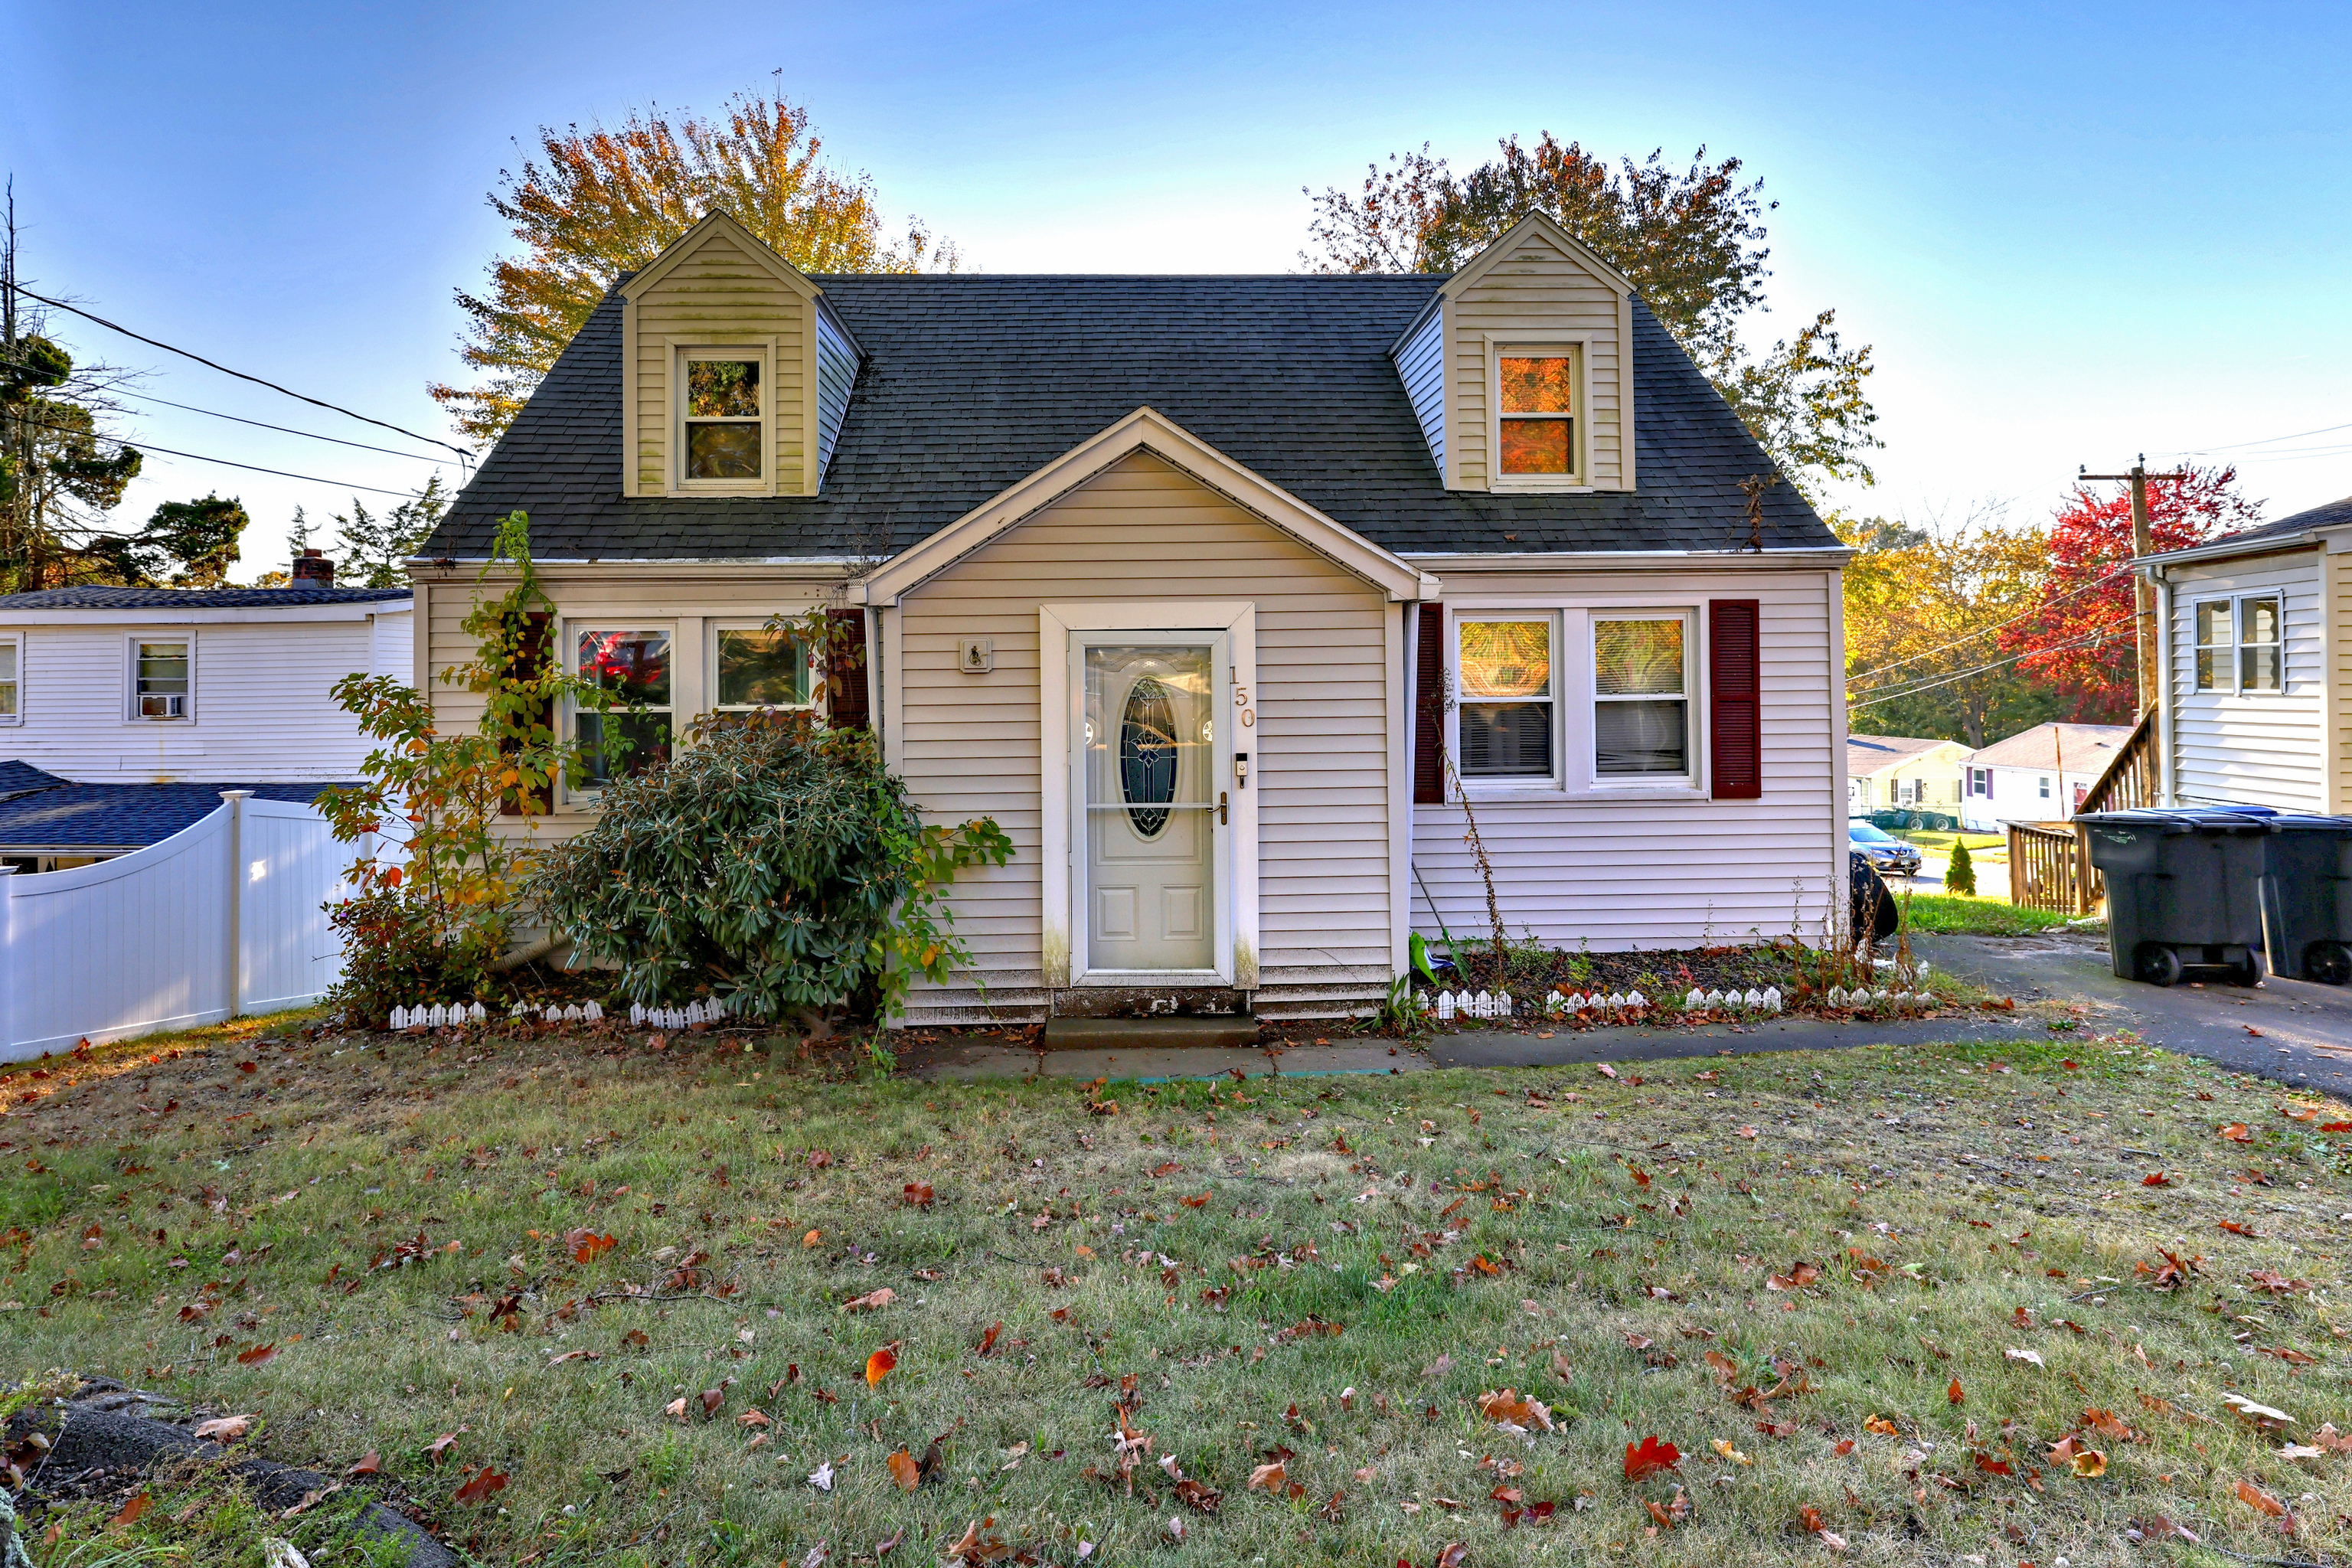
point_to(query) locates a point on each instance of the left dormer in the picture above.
(738, 372)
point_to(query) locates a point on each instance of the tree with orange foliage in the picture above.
(596, 203)
(2080, 641)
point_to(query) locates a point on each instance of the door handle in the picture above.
(1221, 808)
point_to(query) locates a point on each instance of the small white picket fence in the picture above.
(457, 1015)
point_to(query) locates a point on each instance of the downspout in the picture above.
(1411, 717)
(2160, 750)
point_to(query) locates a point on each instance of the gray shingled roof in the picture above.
(102, 598)
(972, 382)
(2328, 514)
(118, 817)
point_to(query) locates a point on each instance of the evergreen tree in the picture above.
(375, 548)
(1961, 876)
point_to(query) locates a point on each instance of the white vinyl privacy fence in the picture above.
(225, 917)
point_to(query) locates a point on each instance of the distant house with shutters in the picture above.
(1887, 771)
(2036, 776)
(1233, 600)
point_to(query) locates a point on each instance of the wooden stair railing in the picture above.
(2129, 780)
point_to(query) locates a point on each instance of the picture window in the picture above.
(1506, 703)
(1641, 718)
(759, 668)
(634, 664)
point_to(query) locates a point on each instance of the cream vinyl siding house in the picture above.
(252, 676)
(1883, 771)
(1190, 638)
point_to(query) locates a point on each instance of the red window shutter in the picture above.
(1735, 712)
(536, 652)
(1429, 708)
(849, 708)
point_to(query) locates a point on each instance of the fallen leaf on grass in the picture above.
(2236, 1132)
(987, 1345)
(1747, 1132)
(576, 1355)
(2301, 1451)
(2013, 1353)
(2260, 1414)
(871, 1302)
(904, 1470)
(1809, 1520)
(483, 1484)
(371, 1463)
(2236, 1227)
(2329, 1438)
(822, 1477)
(1270, 1476)
(257, 1356)
(2254, 1497)
(755, 1417)
(1505, 1407)
(1723, 1447)
(586, 1246)
(2156, 1179)
(1604, 1069)
(438, 1449)
(878, 1365)
(132, 1511)
(919, 1194)
(223, 1428)
(1196, 1202)
(1882, 1426)
(1649, 1457)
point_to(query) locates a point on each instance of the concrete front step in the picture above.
(1224, 1033)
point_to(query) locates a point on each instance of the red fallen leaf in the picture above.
(919, 1194)
(634, 1339)
(904, 1470)
(2336, 1127)
(488, 1481)
(1195, 1202)
(1452, 1555)
(878, 1365)
(438, 1449)
(1844, 1447)
(988, 1341)
(132, 1510)
(1640, 1177)
(1665, 1520)
(712, 1398)
(871, 1300)
(247, 1067)
(1166, 1168)
(1954, 1394)
(1993, 1466)
(819, 1159)
(2274, 1282)
(2235, 1228)
(2236, 1132)
(371, 1463)
(257, 1355)
(2156, 1179)
(1649, 1457)
(2300, 1112)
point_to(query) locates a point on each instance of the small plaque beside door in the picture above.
(976, 655)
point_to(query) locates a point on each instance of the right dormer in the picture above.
(1520, 369)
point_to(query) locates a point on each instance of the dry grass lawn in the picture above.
(1887, 1307)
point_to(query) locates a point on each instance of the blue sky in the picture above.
(2069, 237)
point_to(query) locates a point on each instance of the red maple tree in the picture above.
(2079, 641)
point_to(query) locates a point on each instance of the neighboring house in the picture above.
(2036, 776)
(1217, 593)
(1887, 770)
(139, 705)
(2256, 629)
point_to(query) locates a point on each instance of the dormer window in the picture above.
(1537, 397)
(724, 418)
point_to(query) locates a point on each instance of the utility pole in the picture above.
(2143, 591)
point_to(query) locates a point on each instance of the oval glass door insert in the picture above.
(1146, 756)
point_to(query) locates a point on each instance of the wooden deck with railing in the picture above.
(2050, 862)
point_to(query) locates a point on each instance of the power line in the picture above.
(285, 430)
(258, 381)
(2241, 445)
(1987, 631)
(2098, 635)
(224, 462)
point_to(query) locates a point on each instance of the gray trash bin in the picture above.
(2306, 897)
(2183, 892)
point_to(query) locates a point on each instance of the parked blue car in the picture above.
(1888, 856)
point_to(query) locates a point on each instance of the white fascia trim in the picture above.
(2275, 544)
(1146, 429)
(246, 615)
(835, 564)
(1620, 560)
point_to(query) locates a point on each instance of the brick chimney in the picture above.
(312, 569)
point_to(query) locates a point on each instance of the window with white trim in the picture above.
(632, 663)
(2241, 644)
(759, 667)
(1539, 440)
(1506, 698)
(12, 661)
(163, 679)
(1980, 781)
(1641, 698)
(722, 418)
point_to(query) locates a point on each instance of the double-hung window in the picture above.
(722, 418)
(2240, 644)
(1507, 701)
(1535, 415)
(756, 668)
(632, 664)
(162, 683)
(1641, 698)
(12, 660)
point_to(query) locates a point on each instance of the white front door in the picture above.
(1148, 776)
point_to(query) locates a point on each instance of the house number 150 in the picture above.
(1242, 701)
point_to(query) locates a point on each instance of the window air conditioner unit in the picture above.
(161, 706)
